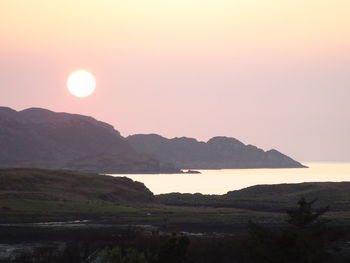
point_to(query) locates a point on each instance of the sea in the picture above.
(222, 181)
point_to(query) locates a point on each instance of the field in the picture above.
(30, 196)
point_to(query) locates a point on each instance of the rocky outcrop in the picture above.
(217, 153)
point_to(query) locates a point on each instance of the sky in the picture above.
(273, 73)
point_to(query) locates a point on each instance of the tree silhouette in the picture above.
(304, 216)
(306, 238)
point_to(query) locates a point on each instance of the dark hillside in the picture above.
(39, 138)
(218, 153)
(268, 197)
(56, 185)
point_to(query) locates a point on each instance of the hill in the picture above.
(39, 195)
(217, 153)
(274, 198)
(69, 186)
(41, 138)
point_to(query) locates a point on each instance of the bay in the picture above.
(222, 181)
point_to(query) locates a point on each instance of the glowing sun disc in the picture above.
(81, 83)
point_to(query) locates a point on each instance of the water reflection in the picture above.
(222, 181)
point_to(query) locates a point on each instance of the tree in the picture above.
(306, 239)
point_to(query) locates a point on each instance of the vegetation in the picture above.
(305, 238)
(272, 198)
(38, 195)
(61, 185)
(116, 255)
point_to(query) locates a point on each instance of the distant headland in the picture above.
(40, 138)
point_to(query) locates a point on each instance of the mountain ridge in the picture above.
(41, 138)
(219, 152)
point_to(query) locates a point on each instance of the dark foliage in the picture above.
(174, 250)
(307, 238)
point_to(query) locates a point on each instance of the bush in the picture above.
(306, 239)
(117, 255)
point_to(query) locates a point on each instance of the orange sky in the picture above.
(274, 73)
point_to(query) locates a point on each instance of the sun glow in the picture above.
(81, 83)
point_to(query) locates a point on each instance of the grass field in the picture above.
(35, 195)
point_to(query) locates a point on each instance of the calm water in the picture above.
(222, 181)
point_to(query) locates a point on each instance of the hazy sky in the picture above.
(274, 73)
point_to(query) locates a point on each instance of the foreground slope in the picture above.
(217, 153)
(268, 197)
(38, 195)
(70, 186)
(44, 139)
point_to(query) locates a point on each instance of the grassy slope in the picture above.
(36, 195)
(269, 197)
(59, 185)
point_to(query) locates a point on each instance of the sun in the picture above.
(81, 83)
